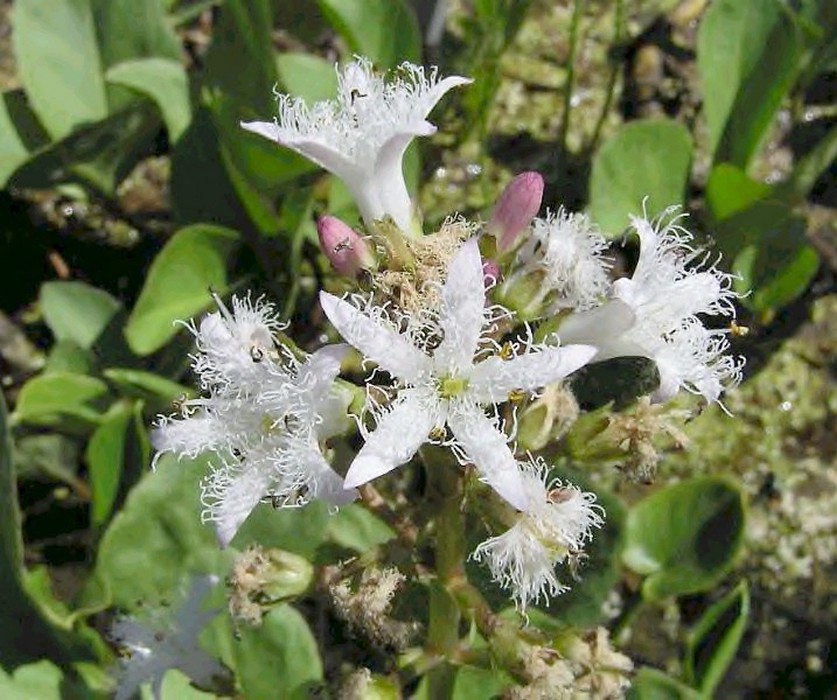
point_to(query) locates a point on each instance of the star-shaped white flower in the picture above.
(557, 522)
(361, 136)
(164, 641)
(265, 416)
(657, 313)
(453, 384)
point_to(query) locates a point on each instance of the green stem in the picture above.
(626, 618)
(610, 91)
(568, 88)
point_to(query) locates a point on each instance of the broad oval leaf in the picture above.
(62, 400)
(177, 286)
(643, 168)
(76, 311)
(713, 641)
(162, 80)
(279, 658)
(157, 538)
(384, 30)
(684, 538)
(58, 61)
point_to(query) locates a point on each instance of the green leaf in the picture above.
(117, 449)
(356, 528)
(651, 684)
(307, 76)
(11, 565)
(53, 455)
(158, 393)
(68, 402)
(729, 190)
(297, 530)
(42, 680)
(241, 36)
(78, 312)
(748, 56)
(99, 154)
(265, 165)
(684, 538)
(13, 152)
(200, 185)
(58, 62)
(157, 539)
(23, 633)
(129, 30)
(472, 683)
(162, 80)
(777, 268)
(713, 642)
(69, 356)
(178, 283)
(384, 30)
(644, 159)
(279, 658)
(769, 250)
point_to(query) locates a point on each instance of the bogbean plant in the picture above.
(440, 389)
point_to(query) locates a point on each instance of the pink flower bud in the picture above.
(490, 273)
(517, 206)
(343, 247)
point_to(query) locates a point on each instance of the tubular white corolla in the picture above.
(361, 136)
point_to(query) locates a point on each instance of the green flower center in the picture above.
(450, 387)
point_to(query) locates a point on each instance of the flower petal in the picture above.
(397, 436)
(487, 448)
(231, 493)
(391, 350)
(320, 369)
(462, 312)
(388, 178)
(493, 379)
(270, 130)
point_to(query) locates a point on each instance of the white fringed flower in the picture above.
(265, 416)
(553, 528)
(452, 384)
(656, 313)
(361, 136)
(166, 640)
(567, 250)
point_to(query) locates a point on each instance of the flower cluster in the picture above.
(460, 357)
